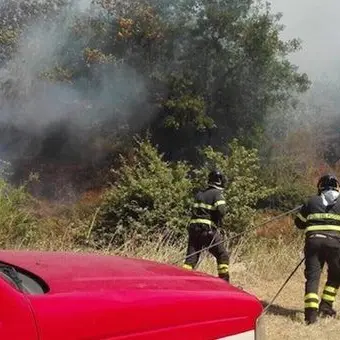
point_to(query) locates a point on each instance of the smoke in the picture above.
(65, 121)
(35, 108)
(315, 23)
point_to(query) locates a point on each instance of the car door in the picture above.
(16, 318)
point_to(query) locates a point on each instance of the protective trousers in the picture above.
(321, 249)
(202, 236)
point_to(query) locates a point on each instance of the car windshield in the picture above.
(22, 280)
(11, 275)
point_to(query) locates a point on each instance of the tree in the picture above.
(192, 72)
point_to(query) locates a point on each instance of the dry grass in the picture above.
(284, 320)
(262, 272)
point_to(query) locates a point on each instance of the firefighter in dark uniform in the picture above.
(320, 218)
(207, 213)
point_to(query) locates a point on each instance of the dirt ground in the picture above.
(285, 318)
(262, 274)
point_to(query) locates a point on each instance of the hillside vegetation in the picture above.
(113, 112)
(144, 214)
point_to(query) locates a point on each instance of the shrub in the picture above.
(293, 182)
(153, 197)
(150, 197)
(17, 223)
(245, 185)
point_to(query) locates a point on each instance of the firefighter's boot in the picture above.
(223, 271)
(327, 300)
(311, 307)
(187, 266)
(311, 315)
(326, 310)
(224, 277)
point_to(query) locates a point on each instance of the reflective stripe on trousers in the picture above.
(312, 300)
(329, 294)
(222, 268)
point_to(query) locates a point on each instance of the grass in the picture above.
(262, 272)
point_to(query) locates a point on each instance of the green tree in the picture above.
(193, 72)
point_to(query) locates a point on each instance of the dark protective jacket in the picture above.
(320, 215)
(209, 207)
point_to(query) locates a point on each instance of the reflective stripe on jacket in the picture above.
(320, 216)
(209, 207)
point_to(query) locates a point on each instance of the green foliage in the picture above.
(150, 197)
(18, 224)
(289, 195)
(204, 70)
(153, 197)
(246, 186)
(184, 108)
(57, 74)
(292, 180)
(8, 36)
(228, 61)
(8, 41)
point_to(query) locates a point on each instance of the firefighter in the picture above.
(320, 218)
(207, 213)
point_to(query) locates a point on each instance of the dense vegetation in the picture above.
(203, 72)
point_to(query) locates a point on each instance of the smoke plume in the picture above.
(33, 109)
(315, 23)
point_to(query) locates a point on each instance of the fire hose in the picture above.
(284, 284)
(211, 245)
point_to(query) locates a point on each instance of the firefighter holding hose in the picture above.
(207, 213)
(320, 218)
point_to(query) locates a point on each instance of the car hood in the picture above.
(108, 297)
(80, 272)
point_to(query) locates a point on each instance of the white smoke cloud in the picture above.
(38, 104)
(317, 24)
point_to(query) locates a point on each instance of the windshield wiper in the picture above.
(12, 274)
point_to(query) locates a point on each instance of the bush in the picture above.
(17, 223)
(150, 197)
(153, 197)
(245, 187)
(293, 180)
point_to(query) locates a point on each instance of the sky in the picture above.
(317, 24)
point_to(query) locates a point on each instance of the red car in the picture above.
(68, 296)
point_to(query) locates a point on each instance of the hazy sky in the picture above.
(317, 23)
